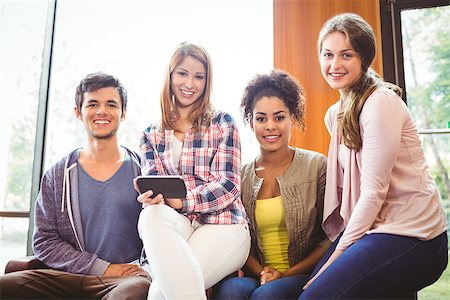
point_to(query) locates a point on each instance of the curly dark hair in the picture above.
(275, 84)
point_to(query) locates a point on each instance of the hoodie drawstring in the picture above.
(66, 190)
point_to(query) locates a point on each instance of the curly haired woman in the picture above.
(282, 192)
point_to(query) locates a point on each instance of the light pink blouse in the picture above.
(386, 186)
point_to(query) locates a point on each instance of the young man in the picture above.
(86, 212)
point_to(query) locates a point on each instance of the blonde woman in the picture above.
(194, 242)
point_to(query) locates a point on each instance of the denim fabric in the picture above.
(380, 266)
(248, 288)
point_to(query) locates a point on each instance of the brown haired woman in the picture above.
(382, 208)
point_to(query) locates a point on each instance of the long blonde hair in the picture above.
(201, 110)
(360, 35)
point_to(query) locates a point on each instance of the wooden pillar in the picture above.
(297, 24)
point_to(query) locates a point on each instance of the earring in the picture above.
(174, 116)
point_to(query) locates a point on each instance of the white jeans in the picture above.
(185, 259)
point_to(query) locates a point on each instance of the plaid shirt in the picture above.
(209, 163)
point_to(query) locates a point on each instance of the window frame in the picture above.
(392, 44)
(41, 122)
(391, 37)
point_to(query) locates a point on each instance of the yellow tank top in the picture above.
(272, 232)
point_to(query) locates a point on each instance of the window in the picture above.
(22, 35)
(417, 35)
(132, 40)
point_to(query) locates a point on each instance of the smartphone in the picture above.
(170, 186)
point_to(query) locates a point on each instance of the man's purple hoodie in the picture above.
(57, 239)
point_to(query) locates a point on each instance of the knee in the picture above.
(282, 288)
(133, 288)
(139, 288)
(151, 216)
(150, 213)
(8, 285)
(234, 288)
(265, 292)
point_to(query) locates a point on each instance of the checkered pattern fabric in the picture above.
(210, 164)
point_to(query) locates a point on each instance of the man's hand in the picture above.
(124, 270)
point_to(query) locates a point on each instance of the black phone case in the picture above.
(168, 186)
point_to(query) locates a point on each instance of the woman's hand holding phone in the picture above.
(146, 198)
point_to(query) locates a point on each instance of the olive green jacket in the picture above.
(302, 189)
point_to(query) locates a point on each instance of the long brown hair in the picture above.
(201, 110)
(360, 35)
